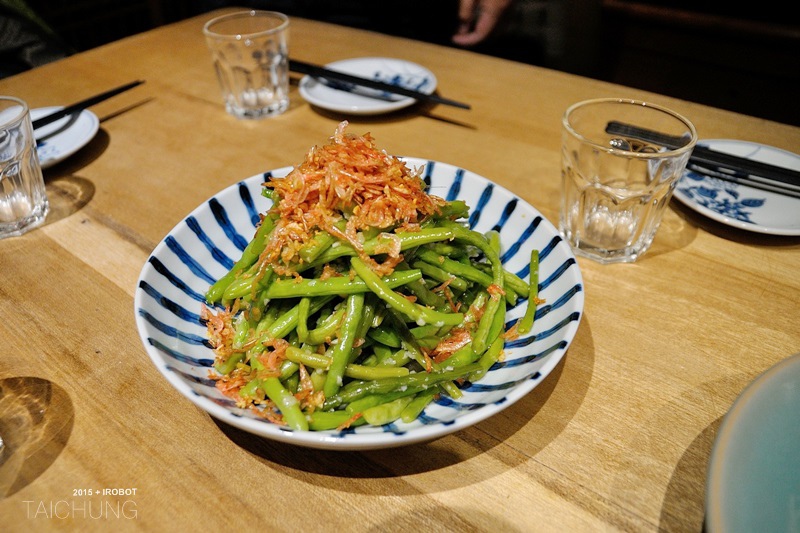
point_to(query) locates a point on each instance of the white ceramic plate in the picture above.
(754, 474)
(741, 206)
(203, 247)
(62, 138)
(363, 101)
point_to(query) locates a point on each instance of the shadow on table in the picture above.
(684, 499)
(674, 233)
(80, 159)
(36, 418)
(93, 149)
(538, 417)
(67, 192)
(685, 495)
(729, 232)
(67, 195)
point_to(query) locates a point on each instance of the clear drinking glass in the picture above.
(250, 52)
(23, 200)
(616, 185)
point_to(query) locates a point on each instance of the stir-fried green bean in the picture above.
(418, 404)
(382, 354)
(481, 338)
(417, 313)
(323, 362)
(344, 345)
(424, 380)
(248, 258)
(407, 240)
(526, 323)
(290, 288)
(303, 308)
(339, 339)
(286, 402)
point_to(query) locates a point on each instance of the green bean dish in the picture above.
(361, 298)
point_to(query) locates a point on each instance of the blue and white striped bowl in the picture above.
(204, 246)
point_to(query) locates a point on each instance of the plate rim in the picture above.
(378, 108)
(328, 440)
(91, 132)
(733, 222)
(752, 393)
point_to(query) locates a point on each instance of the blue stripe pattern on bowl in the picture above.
(203, 246)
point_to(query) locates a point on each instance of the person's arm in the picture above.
(477, 20)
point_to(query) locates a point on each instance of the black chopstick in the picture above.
(83, 104)
(763, 185)
(316, 71)
(718, 162)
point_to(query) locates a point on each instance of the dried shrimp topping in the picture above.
(349, 178)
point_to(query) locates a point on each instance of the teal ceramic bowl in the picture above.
(753, 479)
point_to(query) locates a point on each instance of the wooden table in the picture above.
(617, 438)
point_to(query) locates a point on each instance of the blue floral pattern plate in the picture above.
(57, 141)
(738, 205)
(203, 247)
(353, 100)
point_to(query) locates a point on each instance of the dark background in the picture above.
(741, 58)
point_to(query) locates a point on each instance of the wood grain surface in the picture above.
(617, 438)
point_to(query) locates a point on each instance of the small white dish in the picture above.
(738, 205)
(203, 247)
(753, 481)
(363, 101)
(62, 138)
